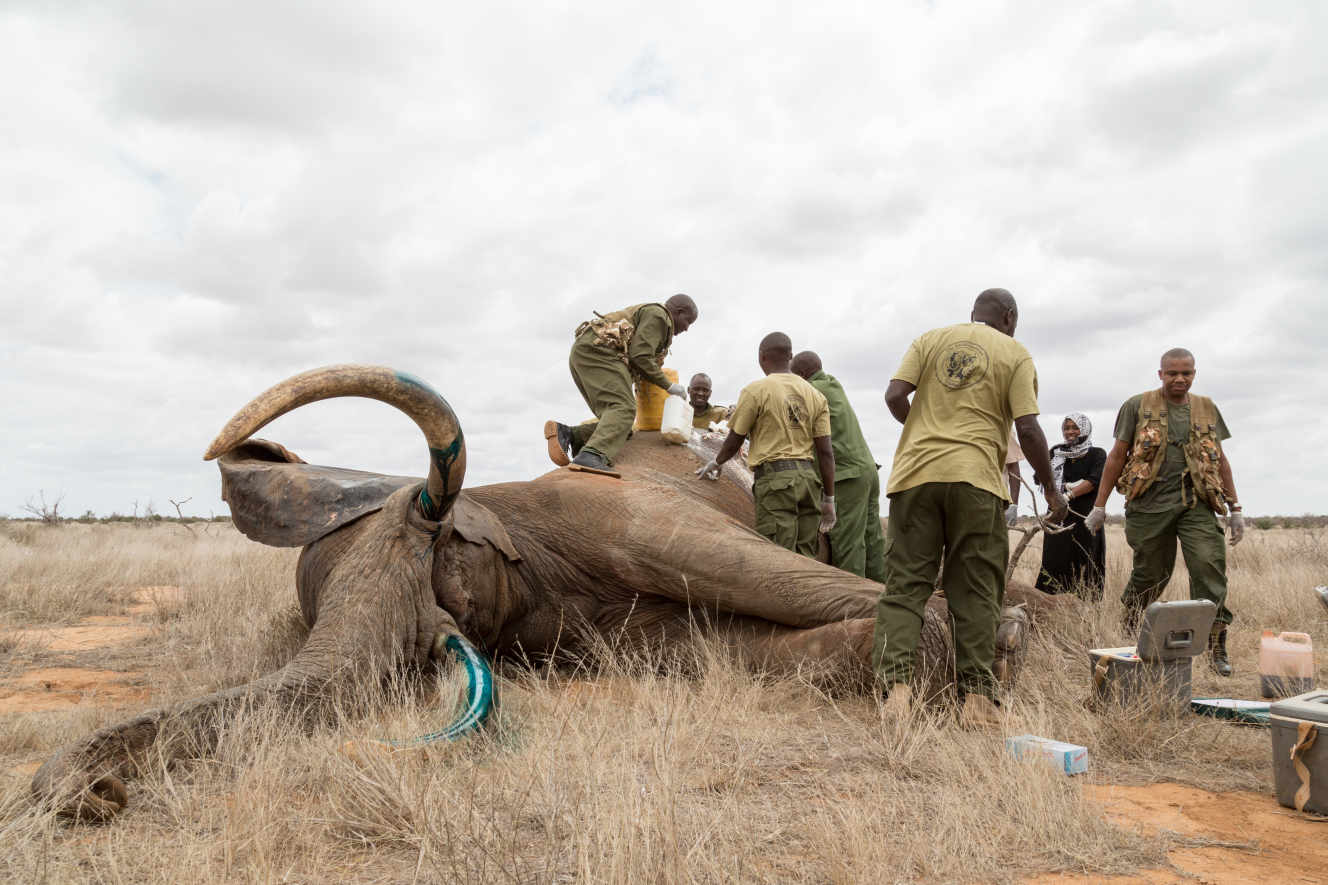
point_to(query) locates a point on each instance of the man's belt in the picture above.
(767, 467)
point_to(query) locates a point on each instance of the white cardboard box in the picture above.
(1070, 758)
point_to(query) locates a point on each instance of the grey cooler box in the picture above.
(1158, 668)
(1294, 722)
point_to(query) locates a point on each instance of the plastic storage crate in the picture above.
(1159, 667)
(1300, 751)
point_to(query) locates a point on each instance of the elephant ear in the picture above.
(278, 499)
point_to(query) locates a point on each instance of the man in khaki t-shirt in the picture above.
(948, 491)
(788, 422)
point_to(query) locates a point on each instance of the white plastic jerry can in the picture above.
(676, 423)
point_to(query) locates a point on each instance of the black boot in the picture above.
(592, 461)
(560, 442)
(1217, 651)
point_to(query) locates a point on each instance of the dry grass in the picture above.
(619, 775)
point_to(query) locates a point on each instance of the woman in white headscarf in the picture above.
(1075, 560)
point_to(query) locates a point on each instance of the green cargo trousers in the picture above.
(856, 542)
(968, 526)
(606, 386)
(1153, 536)
(788, 509)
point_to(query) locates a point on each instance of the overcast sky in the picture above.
(199, 199)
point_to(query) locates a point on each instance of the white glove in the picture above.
(1236, 523)
(828, 516)
(678, 390)
(1011, 514)
(1095, 519)
(710, 470)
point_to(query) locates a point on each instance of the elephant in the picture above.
(395, 570)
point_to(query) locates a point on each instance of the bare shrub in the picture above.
(49, 514)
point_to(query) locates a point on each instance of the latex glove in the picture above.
(1011, 514)
(1236, 523)
(710, 470)
(678, 390)
(828, 516)
(1096, 518)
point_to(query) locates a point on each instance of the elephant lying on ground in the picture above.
(393, 569)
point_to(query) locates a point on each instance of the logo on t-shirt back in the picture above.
(961, 364)
(796, 410)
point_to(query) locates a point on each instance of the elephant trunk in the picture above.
(374, 612)
(421, 403)
(86, 779)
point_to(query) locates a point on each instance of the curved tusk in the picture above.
(420, 402)
(480, 695)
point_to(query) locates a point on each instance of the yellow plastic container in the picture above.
(650, 402)
(1286, 664)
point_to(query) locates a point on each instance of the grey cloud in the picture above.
(1175, 88)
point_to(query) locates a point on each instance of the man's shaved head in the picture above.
(682, 310)
(700, 377)
(1176, 353)
(681, 302)
(996, 308)
(775, 352)
(776, 344)
(806, 364)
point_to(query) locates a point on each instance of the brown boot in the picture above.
(898, 702)
(980, 713)
(1217, 650)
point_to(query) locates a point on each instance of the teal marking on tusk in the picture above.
(480, 697)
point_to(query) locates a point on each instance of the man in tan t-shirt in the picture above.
(788, 422)
(948, 491)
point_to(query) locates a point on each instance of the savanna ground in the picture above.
(617, 773)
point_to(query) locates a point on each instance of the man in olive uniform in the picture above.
(788, 421)
(703, 413)
(1168, 462)
(948, 491)
(607, 354)
(856, 543)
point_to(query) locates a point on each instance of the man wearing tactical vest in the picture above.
(608, 353)
(1169, 464)
(791, 457)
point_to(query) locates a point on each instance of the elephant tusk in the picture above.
(420, 402)
(481, 696)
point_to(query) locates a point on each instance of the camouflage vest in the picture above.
(1203, 450)
(615, 330)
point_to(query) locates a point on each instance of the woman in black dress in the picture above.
(1077, 559)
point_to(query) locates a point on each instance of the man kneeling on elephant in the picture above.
(608, 353)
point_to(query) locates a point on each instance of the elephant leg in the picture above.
(710, 562)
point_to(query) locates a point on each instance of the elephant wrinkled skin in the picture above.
(545, 568)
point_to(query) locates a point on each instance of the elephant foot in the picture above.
(95, 802)
(1011, 642)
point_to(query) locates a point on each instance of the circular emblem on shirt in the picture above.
(961, 365)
